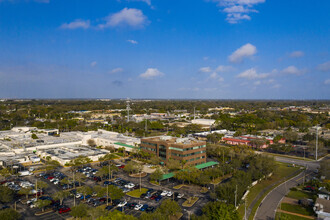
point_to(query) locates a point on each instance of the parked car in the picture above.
(144, 207)
(109, 207)
(169, 193)
(164, 193)
(138, 207)
(123, 203)
(131, 205)
(180, 196)
(150, 209)
(158, 198)
(143, 195)
(64, 209)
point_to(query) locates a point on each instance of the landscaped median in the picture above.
(190, 202)
(137, 193)
(259, 191)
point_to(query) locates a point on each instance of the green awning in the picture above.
(124, 145)
(199, 166)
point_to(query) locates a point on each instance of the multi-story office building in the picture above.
(166, 147)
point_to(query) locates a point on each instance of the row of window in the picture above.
(187, 149)
(150, 149)
(187, 155)
(197, 158)
(147, 143)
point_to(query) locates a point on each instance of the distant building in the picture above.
(166, 147)
(205, 123)
(322, 208)
(250, 140)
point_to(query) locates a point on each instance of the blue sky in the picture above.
(214, 49)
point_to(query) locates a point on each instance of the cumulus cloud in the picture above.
(215, 77)
(293, 70)
(325, 67)
(130, 17)
(238, 10)
(244, 51)
(151, 73)
(117, 70)
(78, 23)
(327, 82)
(297, 53)
(222, 68)
(94, 63)
(132, 41)
(252, 74)
(206, 69)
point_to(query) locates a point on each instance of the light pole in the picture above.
(317, 137)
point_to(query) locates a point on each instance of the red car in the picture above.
(64, 210)
(122, 167)
(50, 177)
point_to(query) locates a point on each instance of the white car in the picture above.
(138, 207)
(78, 195)
(169, 193)
(164, 193)
(31, 201)
(54, 179)
(180, 196)
(122, 204)
(130, 185)
(56, 182)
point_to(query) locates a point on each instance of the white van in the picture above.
(24, 173)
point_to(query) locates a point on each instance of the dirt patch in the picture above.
(290, 201)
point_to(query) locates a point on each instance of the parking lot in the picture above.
(153, 198)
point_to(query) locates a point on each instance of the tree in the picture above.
(85, 190)
(10, 214)
(41, 185)
(41, 204)
(220, 210)
(25, 191)
(95, 213)
(6, 194)
(79, 211)
(114, 192)
(156, 175)
(155, 160)
(34, 136)
(116, 215)
(5, 172)
(61, 195)
(325, 168)
(91, 143)
(80, 178)
(169, 208)
(290, 136)
(173, 164)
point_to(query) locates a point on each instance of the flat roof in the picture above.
(199, 166)
(124, 145)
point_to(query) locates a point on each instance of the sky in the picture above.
(163, 49)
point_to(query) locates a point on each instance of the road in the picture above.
(267, 208)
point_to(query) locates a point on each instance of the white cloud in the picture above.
(206, 69)
(327, 82)
(325, 67)
(132, 41)
(117, 70)
(293, 70)
(297, 53)
(222, 68)
(215, 77)
(252, 74)
(238, 10)
(257, 83)
(151, 73)
(276, 86)
(94, 63)
(78, 23)
(246, 50)
(127, 17)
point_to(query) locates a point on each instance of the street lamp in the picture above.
(316, 142)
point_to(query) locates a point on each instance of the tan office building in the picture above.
(165, 147)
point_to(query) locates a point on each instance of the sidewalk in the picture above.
(296, 214)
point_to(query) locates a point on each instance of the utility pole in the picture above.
(36, 189)
(317, 137)
(74, 184)
(236, 196)
(128, 108)
(194, 113)
(245, 210)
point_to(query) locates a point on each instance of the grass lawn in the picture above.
(297, 209)
(219, 179)
(190, 202)
(281, 172)
(288, 217)
(136, 193)
(154, 182)
(300, 195)
(179, 186)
